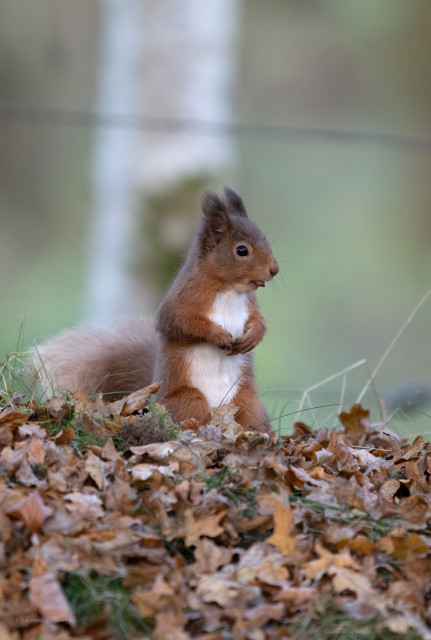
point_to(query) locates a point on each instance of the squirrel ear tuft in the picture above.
(234, 202)
(211, 204)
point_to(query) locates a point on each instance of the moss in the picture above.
(154, 426)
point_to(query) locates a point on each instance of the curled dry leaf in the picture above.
(137, 400)
(130, 404)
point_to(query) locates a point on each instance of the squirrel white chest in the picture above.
(230, 312)
(212, 371)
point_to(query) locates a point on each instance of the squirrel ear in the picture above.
(234, 202)
(216, 219)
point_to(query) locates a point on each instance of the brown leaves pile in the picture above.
(220, 534)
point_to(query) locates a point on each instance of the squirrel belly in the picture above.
(212, 370)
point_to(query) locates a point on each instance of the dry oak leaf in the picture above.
(414, 509)
(362, 544)
(295, 598)
(65, 435)
(416, 477)
(32, 429)
(109, 452)
(192, 529)
(130, 404)
(252, 560)
(155, 450)
(306, 478)
(283, 525)
(256, 617)
(412, 451)
(341, 454)
(160, 597)
(398, 545)
(317, 568)
(32, 511)
(210, 556)
(94, 466)
(31, 449)
(193, 458)
(224, 592)
(389, 488)
(169, 626)
(26, 476)
(345, 579)
(47, 595)
(136, 400)
(355, 423)
(272, 573)
(11, 419)
(142, 472)
(64, 521)
(88, 505)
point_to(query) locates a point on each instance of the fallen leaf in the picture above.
(137, 400)
(355, 423)
(210, 556)
(32, 511)
(398, 546)
(224, 592)
(389, 488)
(283, 526)
(11, 419)
(65, 435)
(95, 469)
(88, 505)
(47, 595)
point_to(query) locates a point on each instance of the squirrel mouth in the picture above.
(258, 283)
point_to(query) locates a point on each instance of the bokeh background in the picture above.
(115, 115)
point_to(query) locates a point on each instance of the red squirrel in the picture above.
(204, 330)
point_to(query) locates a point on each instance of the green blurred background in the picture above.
(318, 112)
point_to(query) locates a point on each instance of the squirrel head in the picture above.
(232, 246)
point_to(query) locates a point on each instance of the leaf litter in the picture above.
(211, 533)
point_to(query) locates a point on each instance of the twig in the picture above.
(306, 392)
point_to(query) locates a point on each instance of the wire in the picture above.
(160, 124)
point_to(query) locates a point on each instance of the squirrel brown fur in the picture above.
(204, 330)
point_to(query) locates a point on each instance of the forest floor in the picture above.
(116, 524)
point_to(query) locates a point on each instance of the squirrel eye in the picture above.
(242, 250)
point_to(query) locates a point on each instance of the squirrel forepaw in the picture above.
(224, 340)
(251, 338)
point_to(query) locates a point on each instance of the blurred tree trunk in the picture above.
(114, 161)
(164, 58)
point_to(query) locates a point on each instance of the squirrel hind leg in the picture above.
(188, 403)
(251, 411)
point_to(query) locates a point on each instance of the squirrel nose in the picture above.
(274, 270)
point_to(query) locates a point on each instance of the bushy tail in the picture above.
(115, 360)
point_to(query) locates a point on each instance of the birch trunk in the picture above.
(166, 58)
